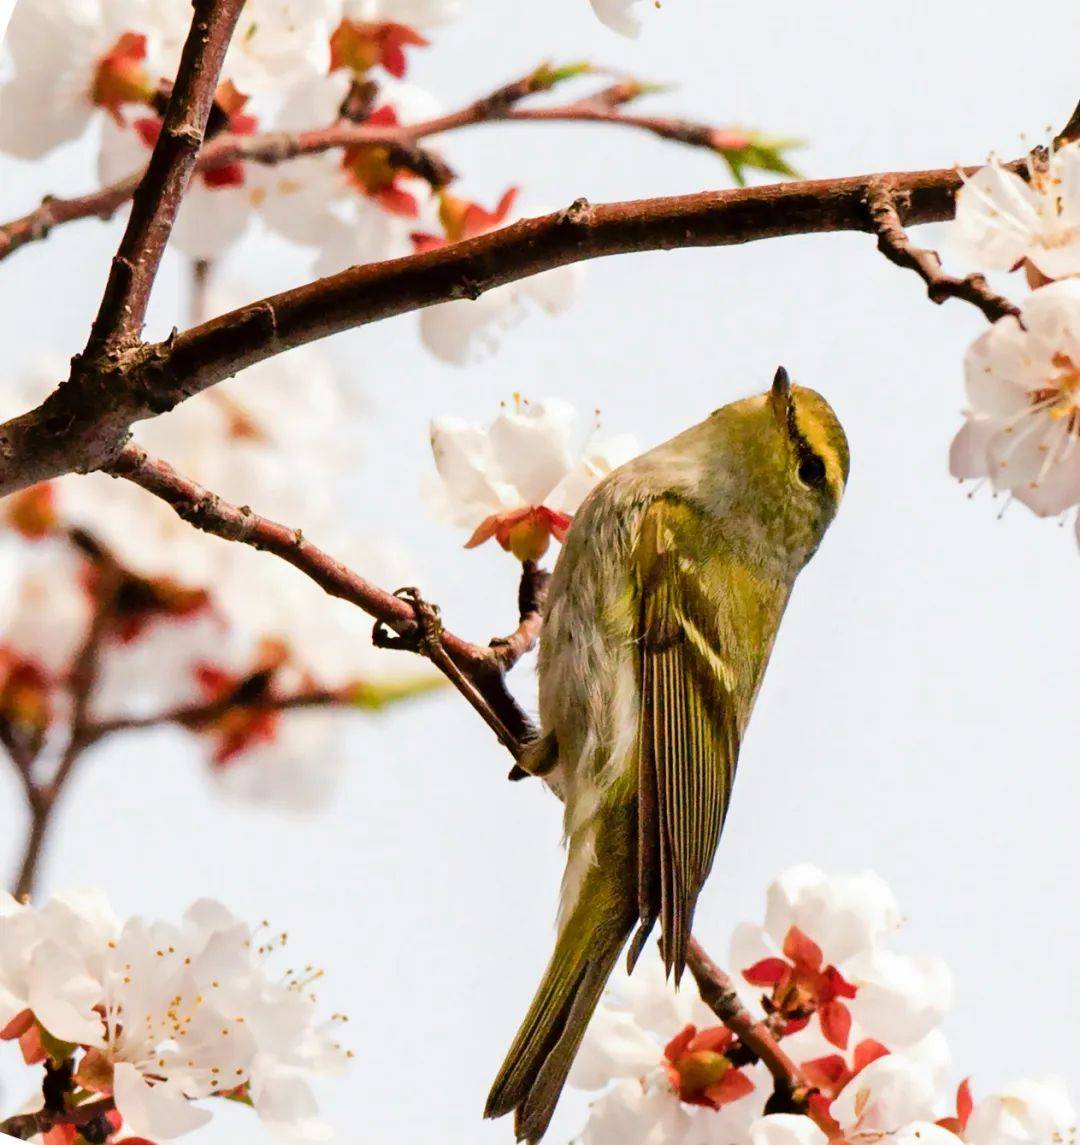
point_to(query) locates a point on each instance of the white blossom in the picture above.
(469, 330)
(1001, 219)
(619, 15)
(278, 43)
(520, 475)
(1027, 1112)
(901, 997)
(167, 1015)
(414, 13)
(49, 607)
(630, 1047)
(316, 201)
(52, 960)
(894, 1099)
(843, 914)
(1023, 390)
(70, 61)
(211, 217)
(280, 438)
(823, 956)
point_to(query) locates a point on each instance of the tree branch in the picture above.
(718, 993)
(84, 424)
(478, 668)
(158, 196)
(895, 244)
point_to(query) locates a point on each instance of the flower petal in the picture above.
(156, 1111)
(786, 1129)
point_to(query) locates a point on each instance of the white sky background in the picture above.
(918, 715)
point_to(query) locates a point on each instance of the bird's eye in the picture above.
(812, 470)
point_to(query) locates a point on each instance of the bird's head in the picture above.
(782, 457)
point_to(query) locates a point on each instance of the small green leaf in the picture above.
(760, 153)
(547, 76)
(374, 695)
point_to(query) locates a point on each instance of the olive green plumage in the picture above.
(660, 620)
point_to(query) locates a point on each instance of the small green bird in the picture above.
(661, 617)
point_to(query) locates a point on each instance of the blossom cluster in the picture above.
(1022, 427)
(860, 1020)
(195, 624)
(157, 1017)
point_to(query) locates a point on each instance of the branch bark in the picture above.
(719, 994)
(157, 198)
(896, 245)
(85, 422)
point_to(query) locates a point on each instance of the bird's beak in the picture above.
(780, 396)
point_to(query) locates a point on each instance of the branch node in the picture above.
(578, 214)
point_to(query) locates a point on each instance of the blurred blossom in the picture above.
(351, 205)
(280, 42)
(414, 13)
(467, 330)
(1003, 220)
(191, 608)
(619, 15)
(75, 58)
(218, 205)
(520, 479)
(1023, 390)
(161, 1015)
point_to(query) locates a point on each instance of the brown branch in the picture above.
(84, 424)
(895, 244)
(1070, 133)
(719, 994)
(157, 198)
(469, 667)
(23, 1126)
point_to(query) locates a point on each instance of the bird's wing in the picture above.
(695, 695)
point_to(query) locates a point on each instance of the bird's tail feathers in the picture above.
(537, 1065)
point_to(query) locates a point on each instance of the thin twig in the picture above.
(532, 594)
(718, 993)
(23, 1126)
(475, 666)
(157, 199)
(1070, 133)
(42, 797)
(895, 244)
(272, 148)
(200, 714)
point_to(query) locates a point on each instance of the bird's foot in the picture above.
(425, 636)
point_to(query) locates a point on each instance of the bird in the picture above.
(661, 616)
